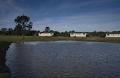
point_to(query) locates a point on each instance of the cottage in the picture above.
(112, 35)
(78, 34)
(45, 34)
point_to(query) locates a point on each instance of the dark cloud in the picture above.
(64, 14)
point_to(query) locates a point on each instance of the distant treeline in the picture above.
(23, 27)
(11, 31)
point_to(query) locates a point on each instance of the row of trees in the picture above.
(24, 25)
(89, 34)
(10, 31)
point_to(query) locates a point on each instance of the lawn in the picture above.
(4, 75)
(37, 38)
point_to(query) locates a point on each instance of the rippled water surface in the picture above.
(64, 59)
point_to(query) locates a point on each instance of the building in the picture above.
(77, 34)
(43, 34)
(112, 35)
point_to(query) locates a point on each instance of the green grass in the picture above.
(4, 75)
(37, 38)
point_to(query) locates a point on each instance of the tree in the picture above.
(47, 29)
(18, 29)
(22, 24)
(10, 31)
(71, 31)
(65, 34)
(57, 33)
(3, 31)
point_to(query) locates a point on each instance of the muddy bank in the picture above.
(4, 70)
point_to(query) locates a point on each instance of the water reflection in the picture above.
(64, 60)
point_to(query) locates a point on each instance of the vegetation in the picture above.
(23, 27)
(15, 32)
(4, 70)
(37, 38)
(22, 24)
(5, 75)
(47, 29)
(22, 32)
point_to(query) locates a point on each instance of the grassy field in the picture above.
(37, 38)
(4, 75)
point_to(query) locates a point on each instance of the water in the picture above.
(64, 59)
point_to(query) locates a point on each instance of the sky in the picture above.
(63, 15)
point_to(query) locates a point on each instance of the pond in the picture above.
(64, 59)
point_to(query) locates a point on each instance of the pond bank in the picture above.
(15, 39)
(4, 70)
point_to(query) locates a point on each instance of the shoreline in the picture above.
(4, 70)
(15, 39)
